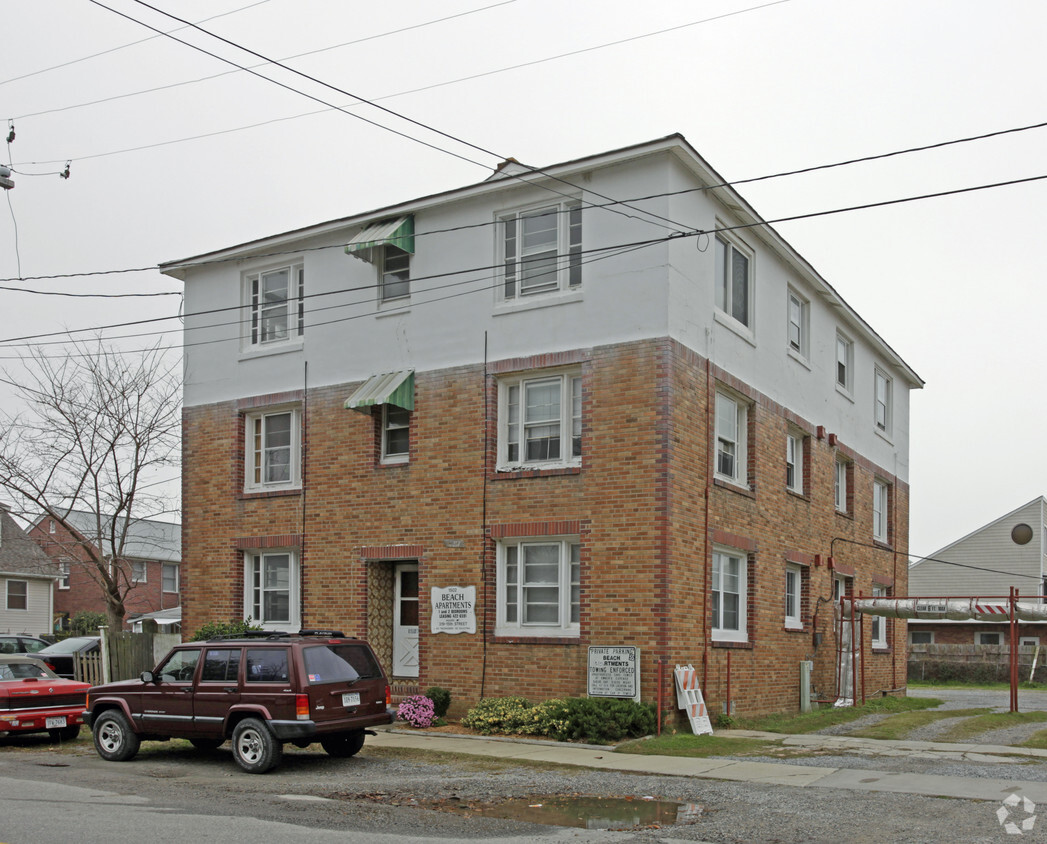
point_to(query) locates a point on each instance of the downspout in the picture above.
(706, 559)
(894, 643)
(305, 463)
(483, 522)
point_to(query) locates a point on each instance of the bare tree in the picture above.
(96, 429)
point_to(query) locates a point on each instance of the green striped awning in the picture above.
(398, 232)
(395, 388)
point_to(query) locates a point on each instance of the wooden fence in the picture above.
(980, 663)
(129, 655)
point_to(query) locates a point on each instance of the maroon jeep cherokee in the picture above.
(258, 691)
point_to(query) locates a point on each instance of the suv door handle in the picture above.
(231, 691)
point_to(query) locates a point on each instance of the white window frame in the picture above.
(794, 448)
(255, 589)
(64, 568)
(732, 436)
(881, 510)
(798, 324)
(164, 568)
(564, 258)
(514, 424)
(1029, 642)
(979, 637)
(23, 597)
(392, 262)
(514, 588)
(925, 632)
(725, 283)
(883, 404)
(793, 596)
(878, 633)
(840, 485)
(262, 321)
(725, 559)
(395, 419)
(139, 571)
(256, 450)
(844, 362)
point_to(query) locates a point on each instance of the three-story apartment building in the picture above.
(601, 401)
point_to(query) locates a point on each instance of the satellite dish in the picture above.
(1021, 534)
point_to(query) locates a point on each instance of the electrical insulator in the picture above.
(6, 182)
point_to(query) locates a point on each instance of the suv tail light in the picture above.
(301, 707)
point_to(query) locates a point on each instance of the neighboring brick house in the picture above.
(151, 563)
(27, 579)
(986, 563)
(602, 432)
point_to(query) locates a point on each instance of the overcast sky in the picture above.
(954, 284)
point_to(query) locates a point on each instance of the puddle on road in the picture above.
(582, 811)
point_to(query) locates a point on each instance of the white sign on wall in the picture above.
(614, 671)
(454, 609)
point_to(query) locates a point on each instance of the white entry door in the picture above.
(405, 621)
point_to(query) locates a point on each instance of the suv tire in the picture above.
(114, 739)
(254, 748)
(343, 745)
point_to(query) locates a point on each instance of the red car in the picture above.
(33, 699)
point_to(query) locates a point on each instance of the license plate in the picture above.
(54, 723)
(351, 699)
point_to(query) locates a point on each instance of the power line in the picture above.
(89, 295)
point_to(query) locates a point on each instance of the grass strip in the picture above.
(903, 724)
(686, 744)
(820, 719)
(993, 721)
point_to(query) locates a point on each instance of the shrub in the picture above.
(569, 719)
(416, 710)
(499, 715)
(214, 629)
(441, 699)
(86, 623)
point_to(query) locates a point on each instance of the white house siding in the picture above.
(36, 620)
(989, 547)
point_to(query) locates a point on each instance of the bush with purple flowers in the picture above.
(417, 710)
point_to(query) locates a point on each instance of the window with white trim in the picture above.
(840, 484)
(394, 274)
(275, 302)
(396, 434)
(272, 440)
(794, 445)
(880, 511)
(63, 575)
(540, 420)
(138, 571)
(271, 589)
(170, 577)
(18, 594)
(539, 587)
(879, 622)
(729, 595)
(732, 432)
(541, 250)
(882, 401)
(988, 639)
(921, 637)
(844, 362)
(798, 313)
(793, 596)
(733, 280)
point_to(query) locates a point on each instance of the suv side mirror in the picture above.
(147, 677)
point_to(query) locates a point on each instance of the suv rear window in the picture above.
(339, 663)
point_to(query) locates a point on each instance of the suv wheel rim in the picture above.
(250, 746)
(110, 736)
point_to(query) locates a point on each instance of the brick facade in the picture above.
(643, 505)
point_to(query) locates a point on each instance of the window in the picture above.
(1029, 642)
(793, 597)
(729, 595)
(879, 623)
(921, 637)
(540, 421)
(50, 525)
(880, 511)
(271, 595)
(180, 666)
(63, 575)
(266, 665)
(276, 300)
(221, 666)
(272, 440)
(844, 362)
(18, 594)
(138, 571)
(882, 402)
(538, 587)
(394, 274)
(988, 639)
(840, 486)
(733, 281)
(542, 250)
(396, 432)
(794, 462)
(731, 435)
(170, 577)
(798, 313)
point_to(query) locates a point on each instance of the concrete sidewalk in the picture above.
(766, 773)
